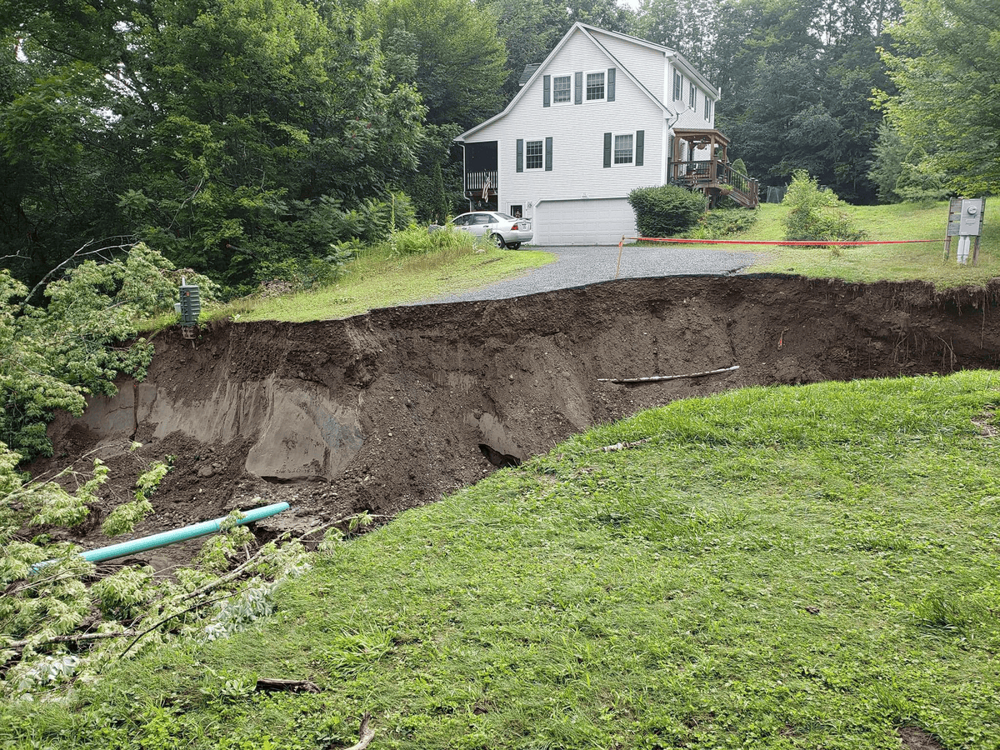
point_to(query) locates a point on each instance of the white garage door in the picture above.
(583, 222)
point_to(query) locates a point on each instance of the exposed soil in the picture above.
(389, 410)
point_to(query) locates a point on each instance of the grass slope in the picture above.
(903, 221)
(776, 568)
(378, 280)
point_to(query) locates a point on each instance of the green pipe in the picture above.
(177, 535)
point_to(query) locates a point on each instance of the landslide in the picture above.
(388, 410)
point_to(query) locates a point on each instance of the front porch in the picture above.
(713, 175)
(482, 179)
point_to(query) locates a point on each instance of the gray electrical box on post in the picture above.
(190, 309)
(965, 221)
(971, 221)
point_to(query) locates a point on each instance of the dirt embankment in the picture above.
(389, 410)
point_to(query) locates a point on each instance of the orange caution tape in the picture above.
(812, 243)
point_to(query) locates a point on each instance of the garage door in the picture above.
(583, 222)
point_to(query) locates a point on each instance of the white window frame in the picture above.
(693, 97)
(568, 101)
(614, 137)
(604, 87)
(534, 140)
(708, 108)
(678, 86)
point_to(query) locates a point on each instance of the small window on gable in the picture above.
(693, 99)
(534, 155)
(595, 87)
(708, 109)
(678, 86)
(562, 89)
(624, 148)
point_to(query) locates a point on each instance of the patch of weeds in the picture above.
(350, 652)
(947, 611)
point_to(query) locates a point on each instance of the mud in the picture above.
(389, 410)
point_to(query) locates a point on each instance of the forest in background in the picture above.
(247, 139)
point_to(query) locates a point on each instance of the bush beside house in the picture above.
(666, 210)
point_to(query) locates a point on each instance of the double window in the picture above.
(579, 87)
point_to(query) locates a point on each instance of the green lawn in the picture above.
(378, 280)
(794, 567)
(881, 262)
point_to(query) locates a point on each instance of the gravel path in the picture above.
(580, 266)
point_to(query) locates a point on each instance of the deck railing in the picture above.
(715, 174)
(476, 181)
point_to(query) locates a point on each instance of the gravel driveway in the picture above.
(580, 266)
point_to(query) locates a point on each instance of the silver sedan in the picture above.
(503, 229)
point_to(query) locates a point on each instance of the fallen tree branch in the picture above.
(367, 734)
(235, 572)
(655, 378)
(21, 645)
(291, 686)
(168, 619)
(78, 254)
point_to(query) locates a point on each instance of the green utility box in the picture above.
(190, 305)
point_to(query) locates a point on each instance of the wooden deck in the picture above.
(710, 174)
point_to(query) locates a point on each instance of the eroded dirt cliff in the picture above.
(389, 410)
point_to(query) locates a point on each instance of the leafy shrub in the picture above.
(666, 210)
(54, 355)
(816, 214)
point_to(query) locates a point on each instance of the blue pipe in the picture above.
(177, 535)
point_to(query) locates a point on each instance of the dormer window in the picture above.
(595, 86)
(562, 89)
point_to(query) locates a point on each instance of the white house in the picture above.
(603, 114)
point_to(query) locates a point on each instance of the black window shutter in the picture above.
(640, 137)
(546, 87)
(607, 149)
(520, 154)
(611, 84)
(548, 154)
(578, 86)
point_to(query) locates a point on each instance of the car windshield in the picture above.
(505, 217)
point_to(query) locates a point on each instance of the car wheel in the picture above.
(514, 245)
(497, 240)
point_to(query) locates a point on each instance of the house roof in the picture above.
(678, 58)
(589, 32)
(529, 70)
